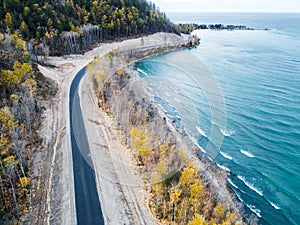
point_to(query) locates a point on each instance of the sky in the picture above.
(228, 5)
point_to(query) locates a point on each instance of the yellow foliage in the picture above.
(36, 6)
(14, 97)
(140, 141)
(10, 161)
(6, 119)
(95, 3)
(120, 72)
(24, 181)
(188, 176)
(26, 10)
(49, 23)
(75, 28)
(30, 84)
(5, 144)
(219, 212)
(26, 56)
(23, 26)
(18, 41)
(10, 78)
(8, 19)
(162, 151)
(85, 19)
(198, 220)
(174, 193)
(197, 190)
(98, 76)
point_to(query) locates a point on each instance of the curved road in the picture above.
(88, 208)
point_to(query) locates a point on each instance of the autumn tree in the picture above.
(8, 21)
(198, 220)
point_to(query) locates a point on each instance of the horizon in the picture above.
(232, 12)
(229, 6)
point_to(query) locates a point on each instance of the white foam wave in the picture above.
(225, 155)
(254, 209)
(195, 143)
(223, 167)
(214, 123)
(201, 131)
(210, 159)
(227, 133)
(232, 184)
(141, 71)
(274, 205)
(250, 155)
(239, 197)
(251, 186)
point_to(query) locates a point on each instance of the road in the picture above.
(88, 207)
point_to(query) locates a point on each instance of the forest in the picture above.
(74, 26)
(22, 89)
(30, 30)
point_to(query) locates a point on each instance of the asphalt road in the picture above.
(88, 207)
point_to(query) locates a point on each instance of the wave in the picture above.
(214, 123)
(223, 167)
(249, 185)
(232, 184)
(201, 131)
(274, 205)
(142, 71)
(251, 207)
(239, 196)
(254, 209)
(195, 142)
(250, 155)
(225, 155)
(227, 133)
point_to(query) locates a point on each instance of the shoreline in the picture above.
(247, 213)
(66, 68)
(119, 103)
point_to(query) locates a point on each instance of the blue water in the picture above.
(259, 74)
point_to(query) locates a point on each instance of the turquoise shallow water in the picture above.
(259, 74)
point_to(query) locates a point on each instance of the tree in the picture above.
(219, 213)
(198, 220)
(186, 180)
(7, 122)
(9, 78)
(26, 11)
(174, 193)
(8, 165)
(49, 23)
(197, 196)
(140, 142)
(8, 20)
(24, 30)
